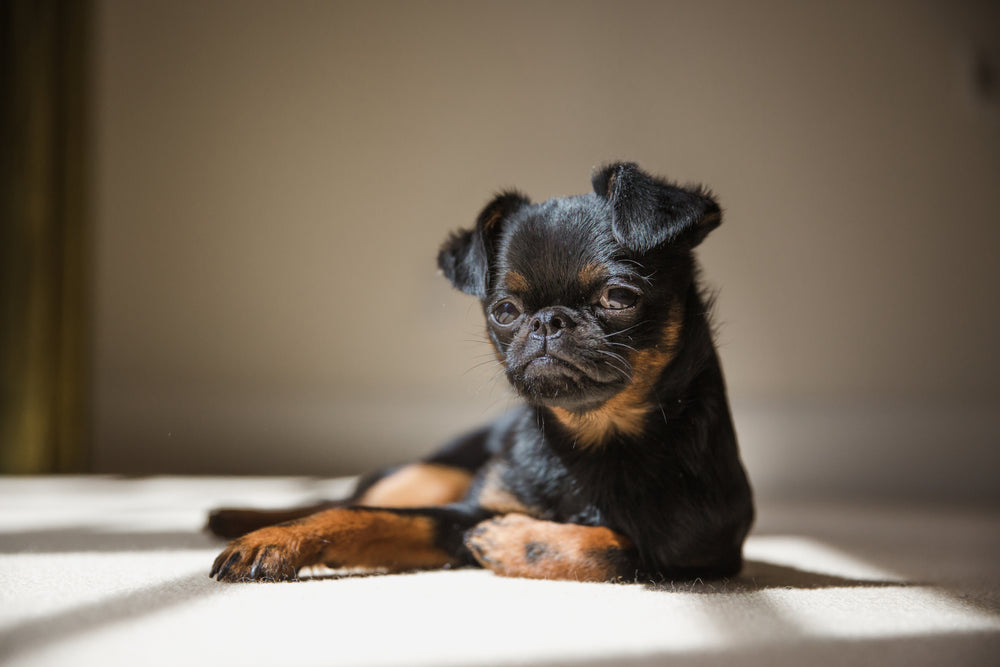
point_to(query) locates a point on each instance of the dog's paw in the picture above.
(263, 555)
(515, 545)
(511, 545)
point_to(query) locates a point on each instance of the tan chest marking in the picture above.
(625, 413)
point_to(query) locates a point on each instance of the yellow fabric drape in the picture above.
(44, 341)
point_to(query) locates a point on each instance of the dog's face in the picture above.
(583, 295)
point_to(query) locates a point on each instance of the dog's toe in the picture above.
(255, 559)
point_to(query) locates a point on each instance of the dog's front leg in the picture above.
(516, 545)
(377, 538)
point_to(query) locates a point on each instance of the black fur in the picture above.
(597, 305)
(677, 489)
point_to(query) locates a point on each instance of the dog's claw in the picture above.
(255, 559)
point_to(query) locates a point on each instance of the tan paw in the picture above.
(268, 554)
(515, 545)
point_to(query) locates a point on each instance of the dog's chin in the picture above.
(550, 382)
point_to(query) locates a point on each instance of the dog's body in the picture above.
(623, 463)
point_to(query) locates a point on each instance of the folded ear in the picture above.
(649, 212)
(466, 255)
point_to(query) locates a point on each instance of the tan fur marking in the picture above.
(496, 498)
(558, 550)
(590, 274)
(515, 282)
(418, 485)
(362, 538)
(626, 412)
(494, 218)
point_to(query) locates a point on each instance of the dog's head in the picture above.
(583, 295)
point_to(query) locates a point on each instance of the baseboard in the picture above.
(791, 448)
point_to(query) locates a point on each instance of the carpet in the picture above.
(104, 570)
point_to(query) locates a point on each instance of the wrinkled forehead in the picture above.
(556, 248)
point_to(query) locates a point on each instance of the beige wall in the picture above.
(273, 180)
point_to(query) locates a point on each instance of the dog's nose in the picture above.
(551, 322)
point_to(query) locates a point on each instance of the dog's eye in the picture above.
(505, 312)
(619, 298)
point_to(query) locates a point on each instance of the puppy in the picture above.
(622, 463)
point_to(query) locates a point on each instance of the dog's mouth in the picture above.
(556, 379)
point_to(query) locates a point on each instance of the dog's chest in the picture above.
(585, 488)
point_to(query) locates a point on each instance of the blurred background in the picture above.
(221, 221)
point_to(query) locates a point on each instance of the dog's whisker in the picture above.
(616, 357)
(625, 375)
(625, 345)
(480, 365)
(491, 380)
(620, 332)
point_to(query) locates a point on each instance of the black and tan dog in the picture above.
(623, 463)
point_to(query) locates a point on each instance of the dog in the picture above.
(621, 464)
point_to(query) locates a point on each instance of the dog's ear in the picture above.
(466, 256)
(649, 212)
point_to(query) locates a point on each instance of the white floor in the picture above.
(98, 571)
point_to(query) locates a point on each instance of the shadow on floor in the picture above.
(102, 540)
(34, 633)
(758, 575)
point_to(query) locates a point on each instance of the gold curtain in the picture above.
(44, 341)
